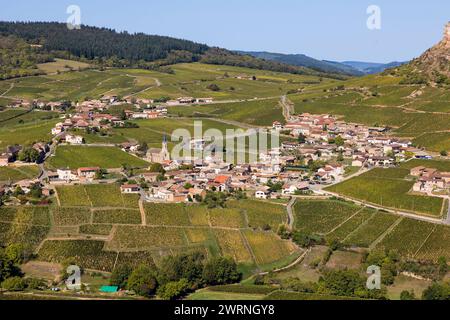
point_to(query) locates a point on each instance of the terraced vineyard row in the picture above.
(260, 215)
(410, 238)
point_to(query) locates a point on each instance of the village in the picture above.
(320, 151)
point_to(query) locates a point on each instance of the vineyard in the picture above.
(232, 245)
(388, 188)
(97, 196)
(268, 248)
(408, 237)
(96, 229)
(71, 216)
(352, 224)
(366, 234)
(322, 216)
(228, 218)
(129, 238)
(261, 214)
(88, 254)
(166, 215)
(117, 216)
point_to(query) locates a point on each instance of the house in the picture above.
(87, 173)
(277, 126)
(72, 139)
(205, 100)
(222, 183)
(130, 188)
(292, 188)
(380, 161)
(66, 175)
(358, 162)
(262, 193)
(58, 129)
(417, 171)
(197, 192)
(4, 160)
(150, 176)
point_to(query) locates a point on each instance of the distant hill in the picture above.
(371, 67)
(352, 68)
(305, 61)
(109, 48)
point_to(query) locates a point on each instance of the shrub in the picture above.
(143, 281)
(14, 284)
(221, 271)
(173, 290)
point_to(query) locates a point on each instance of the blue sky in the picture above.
(323, 29)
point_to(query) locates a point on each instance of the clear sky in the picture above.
(323, 29)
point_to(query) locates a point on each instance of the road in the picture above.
(290, 211)
(448, 213)
(288, 107)
(42, 171)
(377, 207)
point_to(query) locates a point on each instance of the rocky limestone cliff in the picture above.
(434, 65)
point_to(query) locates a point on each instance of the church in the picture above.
(155, 155)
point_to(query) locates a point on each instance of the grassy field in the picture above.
(62, 65)
(103, 157)
(385, 187)
(24, 128)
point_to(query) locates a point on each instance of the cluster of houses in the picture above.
(324, 137)
(430, 180)
(189, 101)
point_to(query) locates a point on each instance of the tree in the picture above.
(184, 266)
(301, 138)
(157, 167)
(36, 191)
(7, 268)
(143, 281)
(221, 271)
(442, 266)
(444, 153)
(29, 155)
(173, 290)
(120, 276)
(339, 141)
(188, 186)
(215, 199)
(14, 284)
(437, 291)
(407, 295)
(213, 87)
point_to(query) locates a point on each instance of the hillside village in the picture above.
(322, 150)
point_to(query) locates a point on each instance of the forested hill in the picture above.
(92, 42)
(121, 49)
